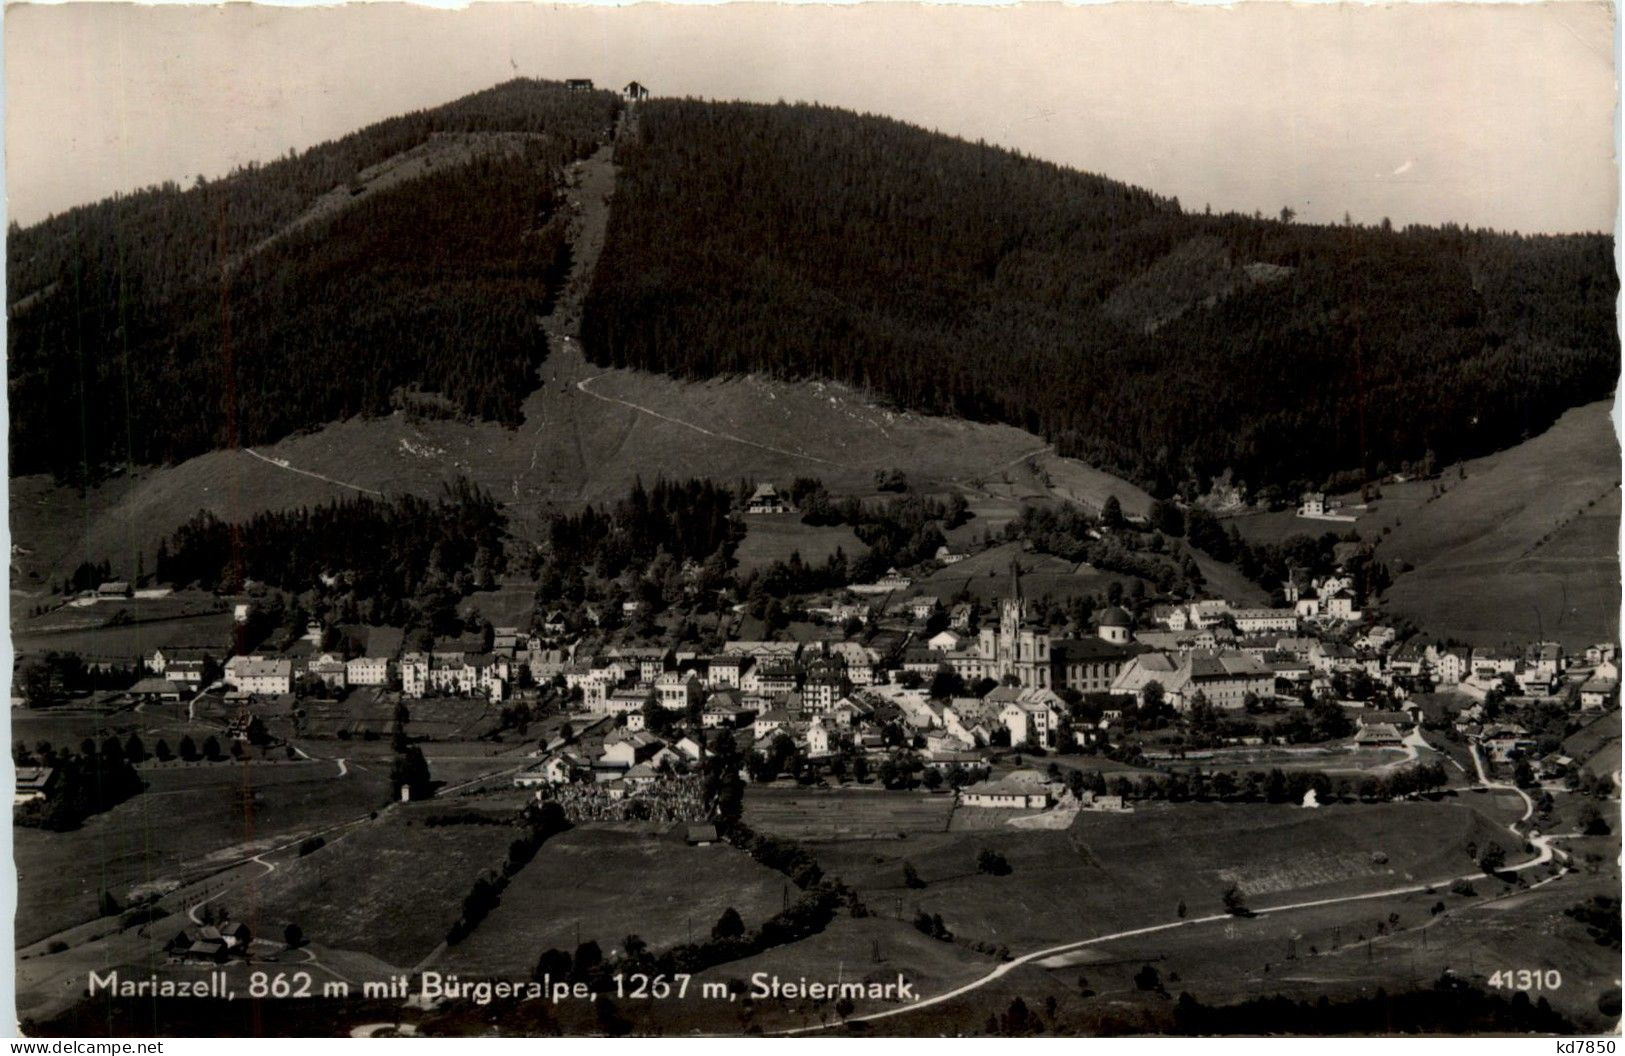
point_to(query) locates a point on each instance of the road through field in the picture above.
(1542, 844)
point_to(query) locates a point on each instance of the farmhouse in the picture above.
(1596, 693)
(1379, 735)
(210, 942)
(166, 655)
(154, 689)
(35, 783)
(1019, 790)
(1503, 741)
(766, 499)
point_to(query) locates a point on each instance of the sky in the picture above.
(1498, 116)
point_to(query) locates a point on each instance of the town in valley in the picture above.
(583, 674)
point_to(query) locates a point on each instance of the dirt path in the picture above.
(651, 412)
(282, 463)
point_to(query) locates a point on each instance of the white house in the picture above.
(367, 671)
(1266, 621)
(1036, 713)
(677, 691)
(257, 675)
(818, 738)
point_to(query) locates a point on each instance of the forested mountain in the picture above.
(1170, 346)
(153, 326)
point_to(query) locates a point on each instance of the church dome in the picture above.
(1113, 616)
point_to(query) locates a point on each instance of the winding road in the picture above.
(1542, 844)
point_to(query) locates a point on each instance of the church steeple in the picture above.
(1014, 612)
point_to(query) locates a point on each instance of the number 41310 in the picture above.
(1527, 979)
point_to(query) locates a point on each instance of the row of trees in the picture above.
(1257, 786)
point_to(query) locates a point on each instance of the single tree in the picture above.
(729, 925)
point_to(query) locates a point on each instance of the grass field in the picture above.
(84, 617)
(1524, 547)
(190, 821)
(130, 642)
(66, 727)
(369, 711)
(389, 888)
(1121, 871)
(849, 812)
(577, 444)
(602, 885)
(1596, 746)
(511, 604)
(1342, 758)
(775, 537)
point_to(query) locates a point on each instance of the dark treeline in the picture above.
(385, 552)
(1167, 345)
(151, 327)
(686, 520)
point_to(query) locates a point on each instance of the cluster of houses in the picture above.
(837, 695)
(455, 670)
(216, 943)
